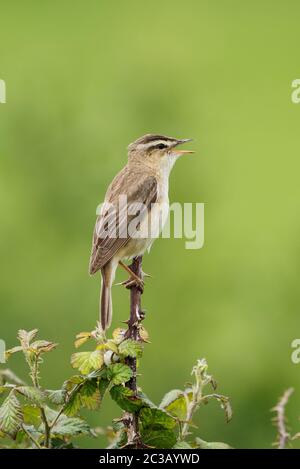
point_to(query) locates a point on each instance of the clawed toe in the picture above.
(132, 282)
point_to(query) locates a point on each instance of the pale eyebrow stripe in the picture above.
(154, 143)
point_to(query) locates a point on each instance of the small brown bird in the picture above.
(144, 180)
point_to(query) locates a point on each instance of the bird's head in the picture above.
(157, 150)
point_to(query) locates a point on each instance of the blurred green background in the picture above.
(86, 78)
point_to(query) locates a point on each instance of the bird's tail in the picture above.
(108, 275)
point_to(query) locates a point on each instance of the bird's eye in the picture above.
(161, 146)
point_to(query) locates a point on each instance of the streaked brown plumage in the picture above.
(143, 180)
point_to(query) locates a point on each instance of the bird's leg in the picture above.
(134, 280)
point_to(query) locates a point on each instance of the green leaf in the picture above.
(157, 428)
(31, 415)
(6, 388)
(26, 337)
(126, 399)
(43, 346)
(119, 441)
(224, 402)
(152, 417)
(90, 394)
(81, 338)
(13, 350)
(158, 437)
(210, 445)
(66, 426)
(74, 404)
(11, 415)
(33, 394)
(182, 445)
(73, 381)
(147, 402)
(175, 403)
(118, 335)
(119, 373)
(144, 335)
(131, 348)
(103, 386)
(7, 376)
(57, 396)
(87, 395)
(87, 361)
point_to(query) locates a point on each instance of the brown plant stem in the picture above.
(136, 316)
(280, 419)
(35, 381)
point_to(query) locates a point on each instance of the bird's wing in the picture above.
(138, 188)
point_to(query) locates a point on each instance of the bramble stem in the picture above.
(280, 419)
(35, 381)
(136, 316)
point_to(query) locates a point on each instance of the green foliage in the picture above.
(10, 415)
(126, 399)
(47, 418)
(118, 373)
(87, 361)
(131, 348)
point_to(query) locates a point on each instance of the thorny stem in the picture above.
(34, 368)
(136, 316)
(192, 404)
(280, 419)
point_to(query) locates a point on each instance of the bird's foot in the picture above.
(133, 282)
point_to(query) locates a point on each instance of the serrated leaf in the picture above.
(175, 403)
(170, 397)
(224, 402)
(118, 335)
(146, 401)
(158, 437)
(182, 445)
(11, 415)
(31, 415)
(57, 396)
(6, 388)
(87, 395)
(151, 417)
(40, 346)
(144, 335)
(74, 404)
(66, 426)
(81, 338)
(33, 394)
(120, 441)
(87, 361)
(131, 348)
(70, 426)
(33, 431)
(13, 350)
(6, 375)
(125, 398)
(103, 386)
(25, 337)
(118, 373)
(90, 394)
(73, 381)
(210, 444)
(111, 345)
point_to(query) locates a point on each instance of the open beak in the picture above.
(182, 152)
